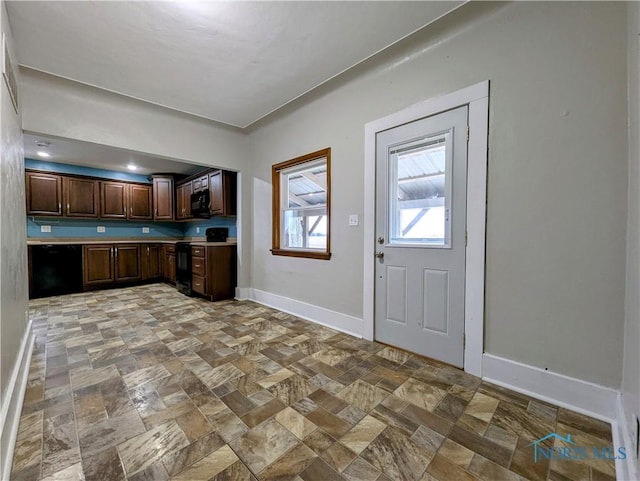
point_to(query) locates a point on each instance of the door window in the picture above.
(420, 192)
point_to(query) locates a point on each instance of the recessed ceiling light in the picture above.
(132, 167)
(42, 153)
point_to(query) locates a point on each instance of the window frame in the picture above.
(276, 228)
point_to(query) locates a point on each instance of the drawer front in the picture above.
(198, 251)
(170, 248)
(198, 284)
(198, 266)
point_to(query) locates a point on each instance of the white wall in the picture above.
(63, 108)
(556, 175)
(631, 372)
(13, 253)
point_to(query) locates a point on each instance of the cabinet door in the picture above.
(163, 198)
(171, 267)
(183, 197)
(140, 200)
(97, 264)
(81, 197)
(113, 196)
(222, 188)
(216, 192)
(44, 194)
(150, 261)
(180, 207)
(127, 263)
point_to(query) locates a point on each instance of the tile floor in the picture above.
(146, 384)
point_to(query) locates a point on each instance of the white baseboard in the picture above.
(243, 293)
(12, 402)
(626, 469)
(326, 317)
(581, 396)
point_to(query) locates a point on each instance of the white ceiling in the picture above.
(99, 156)
(229, 61)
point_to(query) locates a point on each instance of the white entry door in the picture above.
(421, 195)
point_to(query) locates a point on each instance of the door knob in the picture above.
(380, 240)
(380, 255)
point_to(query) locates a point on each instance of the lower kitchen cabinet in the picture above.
(151, 261)
(213, 270)
(104, 264)
(168, 259)
(97, 262)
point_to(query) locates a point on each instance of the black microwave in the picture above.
(200, 204)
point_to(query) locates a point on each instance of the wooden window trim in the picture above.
(276, 169)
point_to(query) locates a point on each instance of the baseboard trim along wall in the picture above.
(12, 403)
(320, 315)
(626, 469)
(243, 293)
(581, 396)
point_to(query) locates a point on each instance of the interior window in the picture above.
(301, 206)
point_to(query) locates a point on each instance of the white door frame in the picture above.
(477, 98)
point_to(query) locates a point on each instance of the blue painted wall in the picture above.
(79, 170)
(190, 227)
(79, 228)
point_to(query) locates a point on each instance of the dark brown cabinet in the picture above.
(97, 262)
(201, 183)
(151, 265)
(120, 200)
(140, 202)
(169, 263)
(163, 198)
(113, 200)
(223, 189)
(104, 264)
(127, 263)
(81, 197)
(183, 201)
(44, 194)
(213, 271)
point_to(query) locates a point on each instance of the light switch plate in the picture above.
(197, 230)
(102, 229)
(45, 228)
(353, 220)
(145, 230)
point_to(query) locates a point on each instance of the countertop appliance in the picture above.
(217, 234)
(200, 204)
(183, 267)
(55, 270)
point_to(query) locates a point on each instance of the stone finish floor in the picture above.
(144, 383)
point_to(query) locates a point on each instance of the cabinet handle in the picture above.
(60, 207)
(67, 207)
(156, 212)
(116, 251)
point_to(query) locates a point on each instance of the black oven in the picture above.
(183, 267)
(200, 204)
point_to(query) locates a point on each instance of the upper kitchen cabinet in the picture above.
(163, 198)
(113, 200)
(140, 202)
(222, 187)
(120, 200)
(81, 197)
(183, 200)
(44, 194)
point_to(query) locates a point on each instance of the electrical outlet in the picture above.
(353, 220)
(102, 229)
(197, 230)
(145, 230)
(45, 228)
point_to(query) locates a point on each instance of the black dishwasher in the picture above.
(55, 270)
